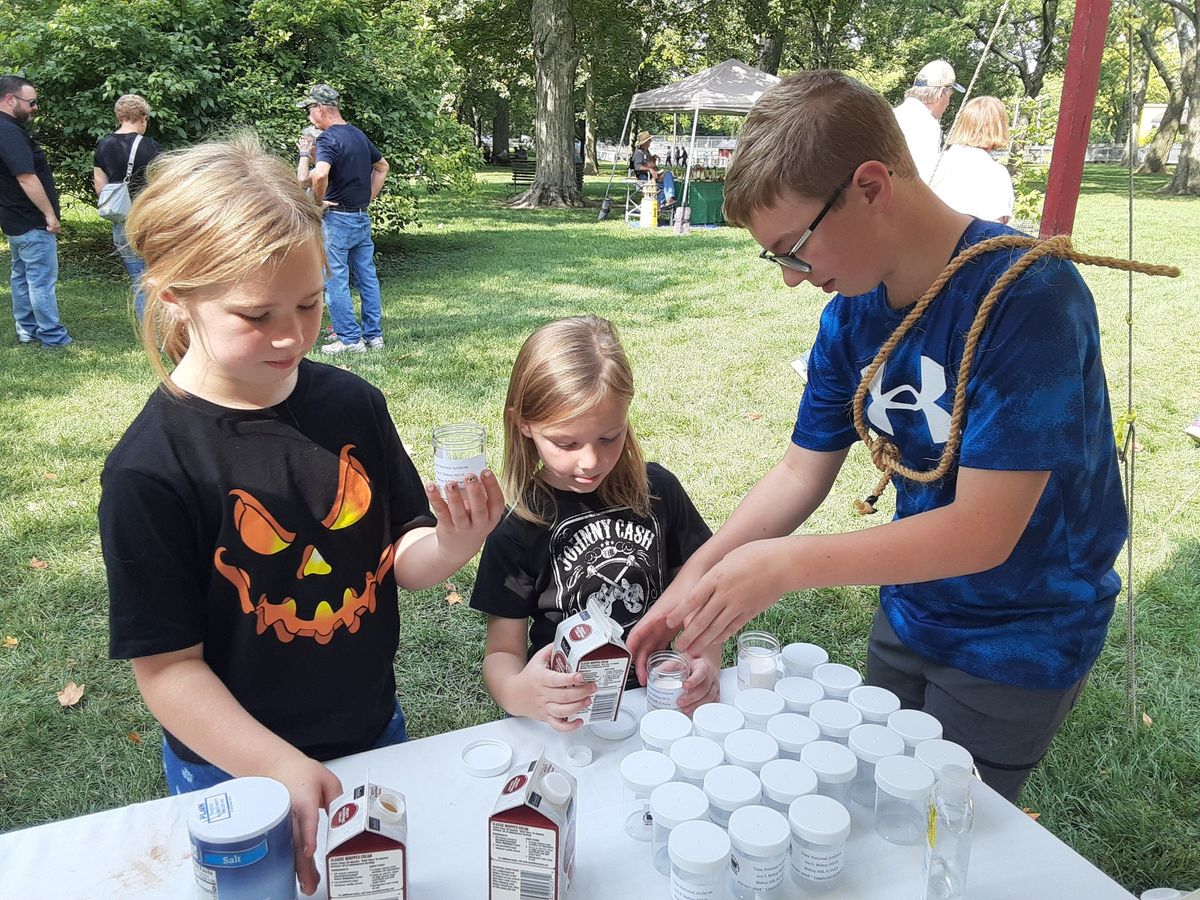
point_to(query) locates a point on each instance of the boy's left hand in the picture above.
(703, 685)
(467, 514)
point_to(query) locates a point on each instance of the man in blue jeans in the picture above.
(348, 175)
(29, 218)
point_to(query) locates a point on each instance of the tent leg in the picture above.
(616, 156)
(687, 177)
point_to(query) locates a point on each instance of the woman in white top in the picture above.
(967, 179)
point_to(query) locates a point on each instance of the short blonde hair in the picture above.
(808, 134)
(131, 108)
(212, 214)
(564, 370)
(983, 123)
(928, 95)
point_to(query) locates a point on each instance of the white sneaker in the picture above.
(375, 343)
(339, 347)
(1193, 430)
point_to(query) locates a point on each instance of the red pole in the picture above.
(1075, 116)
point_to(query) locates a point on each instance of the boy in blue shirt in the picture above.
(997, 581)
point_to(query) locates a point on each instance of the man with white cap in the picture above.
(923, 106)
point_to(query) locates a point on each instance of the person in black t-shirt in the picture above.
(259, 515)
(589, 521)
(109, 165)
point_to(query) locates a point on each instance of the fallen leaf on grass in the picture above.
(452, 595)
(134, 737)
(10, 641)
(71, 694)
(1146, 720)
(1029, 812)
(753, 416)
(50, 476)
(35, 563)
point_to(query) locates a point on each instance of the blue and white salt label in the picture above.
(247, 857)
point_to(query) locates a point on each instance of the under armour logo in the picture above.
(933, 386)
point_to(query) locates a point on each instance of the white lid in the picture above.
(389, 799)
(835, 717)
(556, 788)
(579, 756)
(750, 748)
(665, 726)
(871, 743)
(694, 756)
(731, 787)
(783, 780)
(821, 820)
(238, 809)
(904, 777)
(717, 718)
(836, 677)
(759, 831)
(759, 703)
(873, 702)
(487, 757)
(914, 726)
(804, 656)
(674, 803)
(832, 763)
(1161, 894)
(644, 770)
(799, 692)
(938, 753)
(954, 784)
(699, 847)
(618, 729)
(792, 731)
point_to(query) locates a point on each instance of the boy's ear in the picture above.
(875, 180)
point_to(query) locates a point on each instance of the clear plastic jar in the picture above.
(791, 732)
(820, 827)
(760, 838)
(695, 757)
(874, 703)
(835, 718)
(902, 789)
(915, 727)
(834, 766)
(836, 680)
(666, 671)
(783, 780)
(750, 749)
(716, 721)
(757, 660)
(758, 705)
(660, 728)
(871, 743)
(729, 788)
(800, 659)
(799, 693)
(671, 805)
(699, 861)
(937, 754)
(458, 451)
(641, 772)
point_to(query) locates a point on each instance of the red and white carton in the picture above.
(366, 840)
(531, 835)
(590, 642)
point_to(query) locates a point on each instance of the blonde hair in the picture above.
(983, 123)
(928, 95)
(131, 108)
(808, 134)
(566, 369)
(209, 215)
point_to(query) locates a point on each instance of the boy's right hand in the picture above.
(553, 696)
(312, 788)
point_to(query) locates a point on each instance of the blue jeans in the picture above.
(349, 249)
(133, 265)
(184, 776)
(34, 275)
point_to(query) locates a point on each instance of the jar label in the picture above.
(705, 889)
(659, 697)
(446, 470)
(757, 873)
(817, 864)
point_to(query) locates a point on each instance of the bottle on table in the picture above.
(948, 843)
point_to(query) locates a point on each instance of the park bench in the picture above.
(523, 171)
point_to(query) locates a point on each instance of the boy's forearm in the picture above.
(500, 671)
(422, 560)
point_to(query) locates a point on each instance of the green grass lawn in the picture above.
(710, 331)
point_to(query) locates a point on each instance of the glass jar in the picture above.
(750, 749)
(800, 659)
(871, 743)
(729, 788)
(937, 754)
(902, 789)
(458, 451)
(836, 680)
(757, 660)
(695, 757)
(791, 732)
(716, 721)
(666, 671)
(671, 805)
(834, 766)
(758, 705)
(760, 838)
(914, 726)
(783, 780)
(660, 728)
(875, 703)
(799, 693)
(835, 718)
(699, 854)
(820, 827)
(641, 772)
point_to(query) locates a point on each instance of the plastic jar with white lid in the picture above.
(791, 732)
(695, 757)
(783, 780)
(836, 680)
(875, 703)
(699, 861)
(834, 766)
(902, 789)
(672, 805)
(729, 788)
(660, 728)
(820, 827)
(666, 671)
(750, 749)
(758, 705)
(836, 719)
(871, 743)
(799, 693)
(801, 658)
(760, 838)
(915, 727)
(757, 660)
(716, 720)
(937, 754)
(641, 772)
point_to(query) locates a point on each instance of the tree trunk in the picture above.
(1187, 172)
(499, 129)
(555, 60)
(770, 50)
(590, 165)
(1140, 82)
(1168, 127)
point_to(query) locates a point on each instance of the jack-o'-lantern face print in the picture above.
(314, 558)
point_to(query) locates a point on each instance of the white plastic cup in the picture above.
(937, 754)
(791, 732)
(871, 743)
(836, 719)
(758, 705)
(799, 693)
(716, 721)
(783, 780)
(671, 805)
(902, 789)
(760, 839)
(660, 728)
(695, 757)
(750, 749)
(757, 660)
(834, 766)
(875, 703)
(915, 727)
(820, 827)
(836, 680)
(699, 854)
(801, 658)
(729, 788)
(641, 772)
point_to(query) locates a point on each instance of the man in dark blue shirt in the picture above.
(348, 175)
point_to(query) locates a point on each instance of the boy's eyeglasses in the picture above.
(789, 260)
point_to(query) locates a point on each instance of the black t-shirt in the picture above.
(19, 155)
(350, 155)
(112, 155)
(267, 536)
(590, 552)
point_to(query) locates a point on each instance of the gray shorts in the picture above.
(1006, 728)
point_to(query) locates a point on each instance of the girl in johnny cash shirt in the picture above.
(589, 520)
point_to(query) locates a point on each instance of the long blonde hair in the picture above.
(982, 123)
(564, 370)
(212, 214)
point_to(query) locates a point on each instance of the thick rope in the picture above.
(884, 452)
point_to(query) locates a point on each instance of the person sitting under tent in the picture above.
(645, 167)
